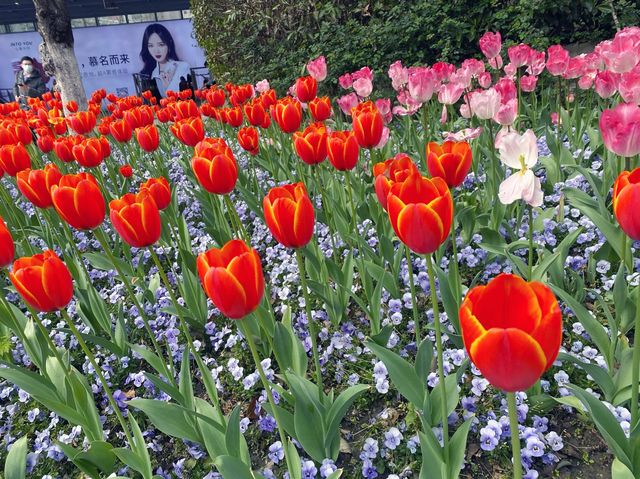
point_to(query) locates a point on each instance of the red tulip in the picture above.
(248, 139)
(91, 152)
(185, 109)
(311, 144)
(421, 211)
(396, 169)
(626, 202)
(233, 116)
(215, 166)
(306, 88)
(343, 150)
(320, 108)
(232, 278)
(43, 281)
(450, 161)
(63, 147)
(367, 124)
(7, 248)
(287, 113)
(82, 122)
(288, 212)
(189, 131)
(256, 114)
(45, 142)
(511, 330)
(126, 171)
(120, 130)
(14, 158)
(78, 201)
(148, 138)
(216, 97)
(159, 190)
(36, 185)
(136, 218)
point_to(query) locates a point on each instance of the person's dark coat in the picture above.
(36, 86)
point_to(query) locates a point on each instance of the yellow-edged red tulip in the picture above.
(289, 214)
(136, 218)
(450, 161)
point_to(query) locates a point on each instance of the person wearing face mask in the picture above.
(29, 82)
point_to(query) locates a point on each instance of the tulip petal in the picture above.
(226, 292)
(549, 332)
(420, 228)
(57, 282)
(509, 359)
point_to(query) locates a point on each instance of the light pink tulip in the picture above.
(496, 63)
(364, 72)
(606, 83)
(586, 81)
(491, 44)
(620, 129)
(629, 86)
(262, 86)
(520, 153)
(558, 60)
(450, 93)
(317, 68)
(536, 63)
(622, 53)
(462, 135)
(575, 68)
(384, 138)
(474, 66)
(465, 111)
(399, 75)
(421, 84)
(528, 83)
(462, 77)
(484, 79)
(363, 87)
(485, 104)
(384, 107)
(510, 70)
(347, 102)
(507, 113)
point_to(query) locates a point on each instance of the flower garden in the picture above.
(242, 283)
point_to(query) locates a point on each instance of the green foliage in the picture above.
(248, 40)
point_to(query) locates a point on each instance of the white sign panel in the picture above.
(108, 56)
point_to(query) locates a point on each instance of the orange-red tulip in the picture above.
(626, 202)
(320, 108)
(343, 150)
(63, 147)
(511, 330)
(421, 211)
(287, 113)
(136, 218)
(311, 144)
(367, 124)
(256, 114)
(14, 158)
(288, 212)
(396, 169)
(248, 139)
(233, 116)
(215, 166)
(45, 142)
(185, 109)
(216, 97)
(43, 281)
(82, 122)
(7, 248)
(189, 130)
(120, 130)
(159, 190)
(306, 88)
(148, 138)
(78, 201)
(36, 185)
(450, 161)
(91, 152)
(232, 278)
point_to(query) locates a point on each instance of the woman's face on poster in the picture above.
(157, 48)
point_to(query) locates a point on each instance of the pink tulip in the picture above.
(262, 86)
(507, 113)
(575, 68)
(384, 107)
(408, 105)
(317, 68)
(629, 86)
(622, 53)
(345, 81)
(450, 93)
(606, 83)
(462, 77)
(510, 70)
(620, 129)
(363, 87)
(347, 102)
(474, 66)
(519, 54)
(507, 89)
(528, 83)
(462, 135)
(484, 79)
(421, 84)
(496, 63)
(485, 104)
(586, 81)
(399, 75)
(443, 70)
(384, 138)
(536, 62)
(465, 111)
(364, 72)
(558, 60)
(491, 44)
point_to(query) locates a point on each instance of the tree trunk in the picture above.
(54, 24)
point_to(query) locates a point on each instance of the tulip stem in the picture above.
(454, 247)
(530, 278)
(101, 237)
(515, 435)
(235, 219)
(414, 299)
(635, 367)
(441, 382)
(325, 208)
(265, 383)
(313, 332)
(98, 371)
